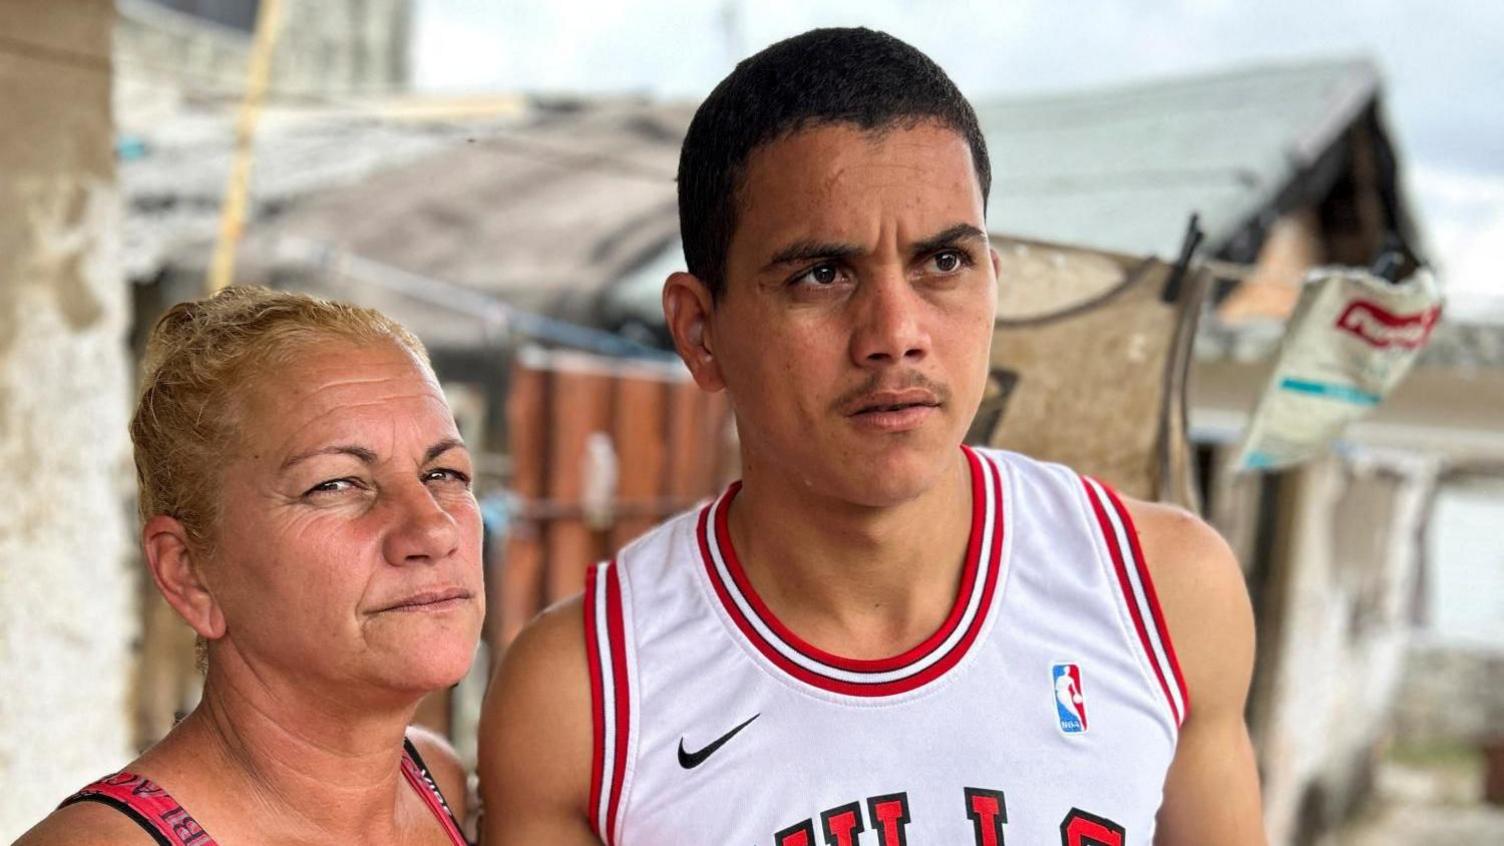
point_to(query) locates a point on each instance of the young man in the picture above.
(878, 637)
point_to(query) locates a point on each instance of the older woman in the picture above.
(308, 512)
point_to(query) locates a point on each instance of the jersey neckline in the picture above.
(902, 673)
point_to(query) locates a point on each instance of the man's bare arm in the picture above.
(536, 735)
(1212, 791)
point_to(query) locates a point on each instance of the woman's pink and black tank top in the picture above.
(170, 824)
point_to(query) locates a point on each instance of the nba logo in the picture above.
(1070, 703)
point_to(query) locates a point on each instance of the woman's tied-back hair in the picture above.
(867, 79)
(201, 358)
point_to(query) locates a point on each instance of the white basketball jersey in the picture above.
(1044, 710)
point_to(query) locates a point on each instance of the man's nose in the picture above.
(889, 323)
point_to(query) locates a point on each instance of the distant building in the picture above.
(325, 48)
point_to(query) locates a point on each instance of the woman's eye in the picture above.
(445, 474)
(819, 276)
(331, 486)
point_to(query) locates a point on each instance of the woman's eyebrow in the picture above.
(365, 456)
(442, 447)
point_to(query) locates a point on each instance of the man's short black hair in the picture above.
(825, 76)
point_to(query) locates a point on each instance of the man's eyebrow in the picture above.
(948, 238)
(364, 455)
(808, 250)
(442, 447)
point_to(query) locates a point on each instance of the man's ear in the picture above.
(178, 575)
(687, 305)
(997, 263)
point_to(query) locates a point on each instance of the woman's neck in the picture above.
(308, 768)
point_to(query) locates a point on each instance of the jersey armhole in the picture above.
(1120, 539)
(611, 696)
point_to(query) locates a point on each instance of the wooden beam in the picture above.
(237, 189)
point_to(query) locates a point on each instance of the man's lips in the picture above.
(429, 600)
(881, 402)
(893, 411)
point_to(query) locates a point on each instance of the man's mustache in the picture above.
(880, 382)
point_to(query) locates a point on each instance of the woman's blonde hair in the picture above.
(200, 359)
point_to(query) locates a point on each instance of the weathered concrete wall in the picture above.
(66, 588)
(1342, 583)
(1452, 696)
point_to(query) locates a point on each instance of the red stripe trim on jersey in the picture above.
(597, 699)
(1155, 611)
(617, 638)
(980, 506)
(958, 607)
(1120, 567)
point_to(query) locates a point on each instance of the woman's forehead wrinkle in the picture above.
(351, 407)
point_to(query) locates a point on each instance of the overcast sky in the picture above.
(1443, 66)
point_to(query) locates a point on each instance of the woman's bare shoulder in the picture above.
(86, 824)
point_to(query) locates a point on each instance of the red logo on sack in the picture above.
(1383, 329)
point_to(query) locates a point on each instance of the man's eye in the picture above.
(949, 261)
(821, 275)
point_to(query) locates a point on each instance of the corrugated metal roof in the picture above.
(1122, 168)
(173, 189)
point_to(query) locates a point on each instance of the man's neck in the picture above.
(315, 768)
(858, 581)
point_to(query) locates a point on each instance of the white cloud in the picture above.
(1463, 212)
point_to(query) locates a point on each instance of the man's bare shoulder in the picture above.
(86, 824)
(543, 673)
(547, 660)
(534, 754)
(1204, 598)
(1211, 792)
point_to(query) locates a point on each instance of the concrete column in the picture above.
(66, 584)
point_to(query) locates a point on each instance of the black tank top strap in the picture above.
(423, 781)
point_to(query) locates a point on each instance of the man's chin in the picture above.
(894, 477)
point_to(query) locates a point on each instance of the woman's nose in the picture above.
(423, 530)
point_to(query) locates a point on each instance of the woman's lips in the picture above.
(430, 600)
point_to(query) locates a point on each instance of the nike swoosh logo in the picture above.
(690, 760)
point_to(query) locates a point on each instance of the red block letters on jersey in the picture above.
(799, 834)
(842, 825)
(889, 814)
(1083, 829)
(988, 812)
(987, 809)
